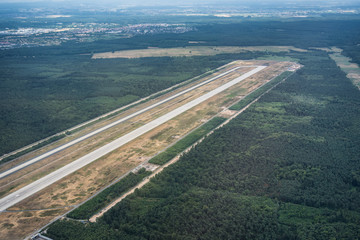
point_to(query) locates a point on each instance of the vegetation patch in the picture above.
(158, 135)
(50, 213)
(277, 58)
(37, 146)
(187, 141)
(91, 207)
(258, 92)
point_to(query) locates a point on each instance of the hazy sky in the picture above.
(192, 2)
(149, 2)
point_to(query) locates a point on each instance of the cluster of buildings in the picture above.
(80, 32)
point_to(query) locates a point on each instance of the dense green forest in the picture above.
(287, 168)
(44, 90)
(43, 95)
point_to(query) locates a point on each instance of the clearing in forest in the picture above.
(351, 69)
(191, 51)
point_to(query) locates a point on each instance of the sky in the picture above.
(157, 2)
(194, 2)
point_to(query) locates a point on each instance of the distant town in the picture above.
(80, 32)
(53, 26)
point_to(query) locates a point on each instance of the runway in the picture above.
(51, 178)
(69, 144)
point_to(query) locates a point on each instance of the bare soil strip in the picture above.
(351, 69)
(190, 51)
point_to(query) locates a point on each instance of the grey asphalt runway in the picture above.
(51, 178)
(62, 147)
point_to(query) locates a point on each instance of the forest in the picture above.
(51, 94)
(287, 168)
(44, 90)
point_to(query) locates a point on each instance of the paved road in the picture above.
(51, 178)
(62, 147)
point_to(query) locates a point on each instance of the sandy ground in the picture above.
(351, 69)
(190, 51)
(329, 50)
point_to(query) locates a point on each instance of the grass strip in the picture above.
(33, 148)
(184, 143)
(255, 94)
(104, 198)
